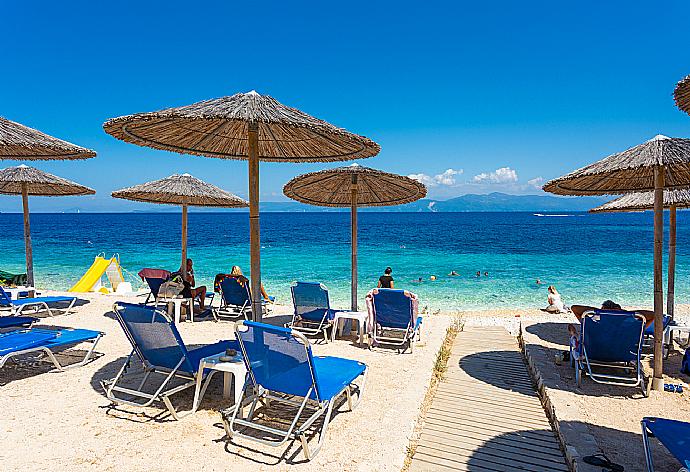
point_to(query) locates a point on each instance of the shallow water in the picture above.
(588, 257)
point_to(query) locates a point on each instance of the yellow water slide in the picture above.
(91, 281)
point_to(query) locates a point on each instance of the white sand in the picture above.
(60, 420)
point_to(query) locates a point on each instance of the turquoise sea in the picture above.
(588, 257)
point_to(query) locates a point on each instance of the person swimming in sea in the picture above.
(479, 273)
(453, 274)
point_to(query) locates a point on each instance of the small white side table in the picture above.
(175, 305)
(359, 316)
(15, 291)
(681, 329)
(234, 368)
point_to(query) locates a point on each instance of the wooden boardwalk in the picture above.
(486, 415)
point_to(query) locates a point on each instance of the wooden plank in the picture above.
(486, 415)
(510, 459)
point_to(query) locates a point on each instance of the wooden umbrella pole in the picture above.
(658, 381)
(670, 293)
(254, 238)
(183, 266)
(353, 215)
(27, 237)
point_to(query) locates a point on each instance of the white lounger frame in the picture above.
(17, 310)
(294, 431)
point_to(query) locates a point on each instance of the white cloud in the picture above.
(446, 178)
(536, 182)
(503, 175)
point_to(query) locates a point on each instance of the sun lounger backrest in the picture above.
(154, 284)
(5, 299)
(310, 301)
(234, 293)
(155, 338)
(275, 358)
(612, 336)
(392, 308)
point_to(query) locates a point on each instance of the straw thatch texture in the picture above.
(682, 94)
(629, 171)
(20, 142)
(181, 189)
(333, 187)
(38, 183)
(219, 128)
(644, 201)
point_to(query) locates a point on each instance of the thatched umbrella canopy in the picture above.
(673, 199)
(658, 164)
(20, 142)
(245, 126)
(354, 186)
(24, 180)
(184, 190)
(682, 94)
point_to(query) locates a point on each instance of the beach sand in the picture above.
(61, 420)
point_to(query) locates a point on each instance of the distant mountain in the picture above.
(495, 201)
(489, 202)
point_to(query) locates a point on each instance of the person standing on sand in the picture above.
(386, 280)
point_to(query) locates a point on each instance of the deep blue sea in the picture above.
(588, 257)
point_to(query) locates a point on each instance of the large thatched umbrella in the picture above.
(184, 190)
(24, 180)
(20, 142)
(658, 164)
(354, 186)
(244, 126)
(673, 199)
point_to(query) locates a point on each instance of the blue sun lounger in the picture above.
(39, 344)
(649, 336)
(394, 318)
(157, 344)
(38, 303)
(673, 435)
(282, 370)
(611, 340)
(7, 322)
(312, 313)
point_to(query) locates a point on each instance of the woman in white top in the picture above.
(555, 303)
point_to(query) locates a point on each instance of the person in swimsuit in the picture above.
(189, 291)
(386, 281)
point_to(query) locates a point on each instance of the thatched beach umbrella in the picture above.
(245, 126)
(658, 164)
(184, 190)
(24, 180)
(20, 142)
(682, 94)
(643, 201)
(354, 186)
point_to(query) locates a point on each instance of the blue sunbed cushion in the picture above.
(674, 435)
(333, 374)
(649, 330)
(68, 336)
(21, 340)
(33, 301)
(16, 321)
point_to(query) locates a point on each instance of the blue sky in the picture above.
(504, 94)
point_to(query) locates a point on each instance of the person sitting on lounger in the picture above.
(556, 304)
(236, 272)
(189, 291)
(386, 280)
